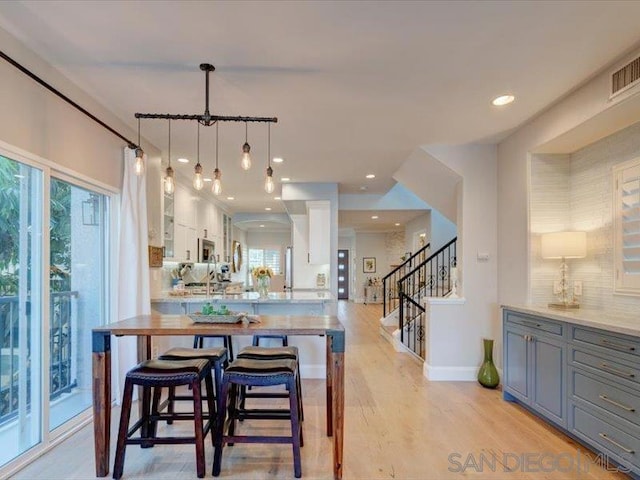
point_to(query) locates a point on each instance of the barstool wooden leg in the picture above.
(296, 430)
(121, 445)
(146, 425)
(197, 427)
(219, 431)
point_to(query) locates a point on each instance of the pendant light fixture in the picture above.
(169, 183)
(269, 186)
(208, 119)
(198, 182)
(216, 188)
(245, 162)
(139, 165)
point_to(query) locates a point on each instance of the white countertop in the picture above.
(250, 297)
(584, 316)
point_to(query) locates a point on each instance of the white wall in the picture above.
(39, 122)
(582, 117)
(369, 245)
(475, 206)
(415, 227)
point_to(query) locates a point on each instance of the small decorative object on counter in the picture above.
(263, 280)
(488, 374)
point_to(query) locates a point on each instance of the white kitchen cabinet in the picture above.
(319, 214)
(186, 243)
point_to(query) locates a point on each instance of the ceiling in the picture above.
(356, 86)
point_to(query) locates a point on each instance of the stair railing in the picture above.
(430, 278)
(390, 297)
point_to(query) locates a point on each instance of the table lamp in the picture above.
(564, 245)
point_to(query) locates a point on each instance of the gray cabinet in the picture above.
(585, 380)
(604, 393)
(534, 356)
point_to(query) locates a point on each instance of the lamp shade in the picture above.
(564, 245)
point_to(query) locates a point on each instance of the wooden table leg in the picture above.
(329, 388)
(102, 401)
(337, 401)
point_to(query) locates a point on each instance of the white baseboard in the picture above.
(450, 374)
(313, 371)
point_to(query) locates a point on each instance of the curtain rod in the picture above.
(55, 91)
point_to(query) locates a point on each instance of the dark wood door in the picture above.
(343, 274)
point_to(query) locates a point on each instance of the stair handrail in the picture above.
(431, 257)
(386, 283)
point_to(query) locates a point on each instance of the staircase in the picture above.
(421, 277)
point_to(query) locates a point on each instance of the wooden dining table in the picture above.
(146, 326)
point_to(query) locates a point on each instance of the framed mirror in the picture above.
(237, 256)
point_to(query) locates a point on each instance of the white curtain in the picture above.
(133, 264)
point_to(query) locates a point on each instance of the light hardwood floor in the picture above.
(398, 425)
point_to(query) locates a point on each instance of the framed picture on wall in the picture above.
(369, 264)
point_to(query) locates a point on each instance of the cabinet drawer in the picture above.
(610, 341)
(607, 437)
(612, 399)
(612, 368)
(536, 323)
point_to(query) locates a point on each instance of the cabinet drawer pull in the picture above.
(619, 346)
(615, 371)
(532, 324)
(613, 402)
(613, 442)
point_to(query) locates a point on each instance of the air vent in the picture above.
(625, 77)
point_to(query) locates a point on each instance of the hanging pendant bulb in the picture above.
(269, 186)
(139, 165)
(245, 162)
(198, 181)
(169, 182)
(216, 188)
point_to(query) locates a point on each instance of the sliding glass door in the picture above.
(78, 291)
(21, 313)
(54, 288)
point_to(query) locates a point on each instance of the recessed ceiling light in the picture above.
(231, 198)
(277, 198)
(374, 217)
(371, 175)
(207, 180)
(261, 226)
(397, 224)
(268, 209)
(278, 159)
(363, 188)
(285, 179)
(183, 160)
(503, 100)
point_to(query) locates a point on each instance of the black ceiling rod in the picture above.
(55, 91)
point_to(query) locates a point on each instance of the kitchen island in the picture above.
(294, 303)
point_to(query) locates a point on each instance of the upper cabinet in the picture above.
(180, 239)
(168, 225)
(319, 214)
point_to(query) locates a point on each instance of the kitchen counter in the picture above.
(297, 303)
(250, 297)
(585, 317)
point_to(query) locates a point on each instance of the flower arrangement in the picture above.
(262, 272)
